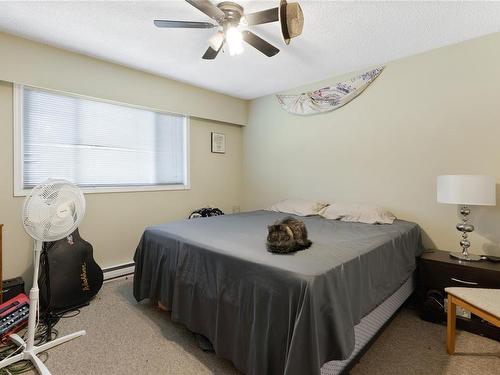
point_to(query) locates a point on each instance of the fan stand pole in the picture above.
(30, 351)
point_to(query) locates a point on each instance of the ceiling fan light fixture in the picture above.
(232, 24)
(216, 40)
(234, 40)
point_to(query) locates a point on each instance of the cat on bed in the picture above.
(287, 235)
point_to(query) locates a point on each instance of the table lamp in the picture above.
(465, 190)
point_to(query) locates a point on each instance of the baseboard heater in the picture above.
(120, 270)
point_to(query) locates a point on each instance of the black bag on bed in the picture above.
(206, 212)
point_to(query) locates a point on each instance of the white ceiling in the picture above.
(338, 37)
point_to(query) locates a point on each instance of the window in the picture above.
(98, 145)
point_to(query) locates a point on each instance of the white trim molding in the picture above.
(18, 138)
(118, 271)
(18, 148)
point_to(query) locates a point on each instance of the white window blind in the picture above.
(99, 144)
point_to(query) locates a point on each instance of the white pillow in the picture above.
(358, 213)
(299, 207)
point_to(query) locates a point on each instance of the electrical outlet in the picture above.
(463, 313)
(236, 209)
(460, 311)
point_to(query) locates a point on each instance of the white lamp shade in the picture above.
(473, 190)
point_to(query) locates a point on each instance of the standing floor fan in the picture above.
(52, 211)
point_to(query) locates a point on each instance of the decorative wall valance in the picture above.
(328, 98)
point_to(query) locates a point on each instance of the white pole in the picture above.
(34, 292)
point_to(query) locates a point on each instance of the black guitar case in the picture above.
(69, 276)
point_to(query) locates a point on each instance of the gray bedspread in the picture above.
(271, 313)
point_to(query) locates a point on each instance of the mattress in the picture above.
(371, 324)
(268, 313)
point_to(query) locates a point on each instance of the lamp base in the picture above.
(466, 257)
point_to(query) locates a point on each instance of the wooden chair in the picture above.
(484, 303)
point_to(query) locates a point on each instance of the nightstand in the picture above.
(436, 271)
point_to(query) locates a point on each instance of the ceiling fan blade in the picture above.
(184, 24)
(207, 7)
(211, 53)
(264, 16)
(257, 42)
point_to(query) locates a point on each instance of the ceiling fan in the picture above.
(230, 16)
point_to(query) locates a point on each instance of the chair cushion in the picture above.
(485, 299)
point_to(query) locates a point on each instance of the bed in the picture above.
(271, 313)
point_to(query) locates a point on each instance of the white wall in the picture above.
(426, 115)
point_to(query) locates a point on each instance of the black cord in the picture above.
(9, 350)
(45, 332)
(45, 329)
(70, 314)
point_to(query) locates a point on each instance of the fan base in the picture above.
(31, 355)
(233, 11)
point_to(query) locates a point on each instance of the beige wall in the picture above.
(114, 222)
(426, 115)
(28, 62)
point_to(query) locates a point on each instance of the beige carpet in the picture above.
(124, 337)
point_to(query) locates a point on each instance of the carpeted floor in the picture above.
(124, 337)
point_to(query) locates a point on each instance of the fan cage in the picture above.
(53, 210)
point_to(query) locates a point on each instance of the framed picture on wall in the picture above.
(218, 143)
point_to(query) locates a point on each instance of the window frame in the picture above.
(19, 190)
